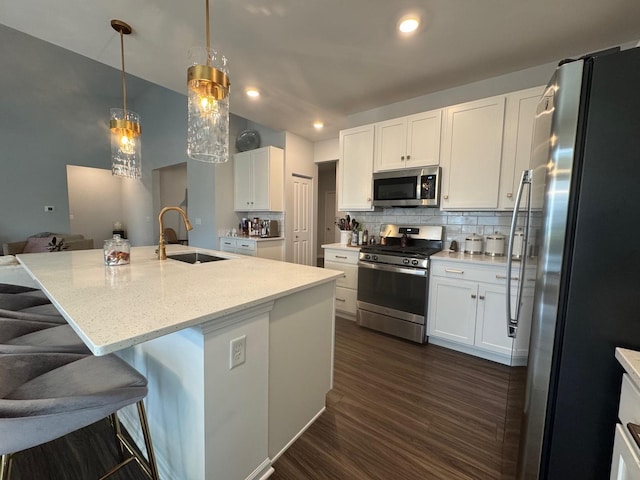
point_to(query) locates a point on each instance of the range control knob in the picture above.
(414, 262)
(405, 261)
(374, 257)
(367, 257)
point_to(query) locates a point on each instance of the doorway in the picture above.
(302, 190)
(327, 208)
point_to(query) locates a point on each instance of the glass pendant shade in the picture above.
(126, 152)
(208, 92)
(125, 143)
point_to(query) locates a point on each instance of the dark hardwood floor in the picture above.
(403, 411)
(397, 411)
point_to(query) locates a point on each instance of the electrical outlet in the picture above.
(237, 353)
(49, 208)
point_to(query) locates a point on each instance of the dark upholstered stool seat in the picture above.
(25, 336)
(45, 396)
(29, 314)
(11, 288)
(20, 301)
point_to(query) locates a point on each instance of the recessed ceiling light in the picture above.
(318, 125)
(253, 93)
(409, 25)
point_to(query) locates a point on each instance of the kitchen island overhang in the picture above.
(174, 322)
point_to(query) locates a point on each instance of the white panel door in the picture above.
(302, 220)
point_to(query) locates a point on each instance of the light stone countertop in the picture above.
(255, 239)
(479, 259)
(112, 308)
(630, 361)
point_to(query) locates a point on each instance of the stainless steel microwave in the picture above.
(418, 187)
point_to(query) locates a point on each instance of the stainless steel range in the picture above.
(393, 280)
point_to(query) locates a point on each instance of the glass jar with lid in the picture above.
(117, 251)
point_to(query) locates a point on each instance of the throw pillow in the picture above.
(40, 244)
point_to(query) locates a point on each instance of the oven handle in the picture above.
(391, 268)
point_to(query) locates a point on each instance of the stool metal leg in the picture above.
(149, 466)
(5, 466)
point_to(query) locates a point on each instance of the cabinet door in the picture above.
(518, 135)
(452, 310)
(491, 321)
(355, 169)
(391, 143)
(242, 181)
(260, 179)
(471, 156)
(625, 463)
(423, 139)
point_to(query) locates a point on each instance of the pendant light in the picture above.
(208, 92)
(126, 159)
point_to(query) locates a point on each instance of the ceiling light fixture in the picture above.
(253, 93)
(409, 25)
(126, 155)
(318, 125)
(208, 91)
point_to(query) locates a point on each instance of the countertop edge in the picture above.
(630, 361)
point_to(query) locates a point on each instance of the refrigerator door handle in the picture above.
(512, 322)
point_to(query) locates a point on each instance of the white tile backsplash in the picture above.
(457, 224)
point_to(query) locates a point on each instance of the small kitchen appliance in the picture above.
(494, 245)
(473, 244)
(393, 280)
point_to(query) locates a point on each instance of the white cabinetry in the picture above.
(467, 310)
(355, 169)
(518, 135)
(471, 154)
(408, 142)
(264, 248)
(344, 259)
(259, 180)
(625, 463)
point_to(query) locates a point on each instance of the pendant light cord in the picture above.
(124, 84)
(207, 32)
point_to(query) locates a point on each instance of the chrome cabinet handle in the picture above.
(408, 157)
(340, 299)
(451, 270)
(402, 157)
(481, 297)
(340, 256)
(509, 195)
(473, 296)
(504, 277)
(446, 197)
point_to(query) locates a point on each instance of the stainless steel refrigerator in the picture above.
(583, 192)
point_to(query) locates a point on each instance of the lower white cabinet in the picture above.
(467, 310)
(344, 259)
(625, 463)
(271, 248)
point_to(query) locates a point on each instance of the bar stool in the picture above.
(44, 396)
(16, 299)
(29, 336)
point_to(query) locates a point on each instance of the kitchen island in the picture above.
(175, 323)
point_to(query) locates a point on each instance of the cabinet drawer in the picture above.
(227, 244)
(346, 300)
(465, 271)
(350, 279)
(245, 246)
(341, 256)
(629, 402)
(625, 464)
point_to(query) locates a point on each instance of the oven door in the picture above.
(392, 299)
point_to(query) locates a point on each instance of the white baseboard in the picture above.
(304, 429)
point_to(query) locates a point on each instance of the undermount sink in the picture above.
(194, 257)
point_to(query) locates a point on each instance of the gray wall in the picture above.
(54, 111)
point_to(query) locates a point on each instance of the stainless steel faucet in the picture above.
(162, 251)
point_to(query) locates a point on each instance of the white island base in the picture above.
(212, 422)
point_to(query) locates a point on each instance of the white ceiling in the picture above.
(327, 59)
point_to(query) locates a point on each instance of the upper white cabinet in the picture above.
(518, 135)
(259, 180)
(355, 169)
(471, 154)
(408, 142)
